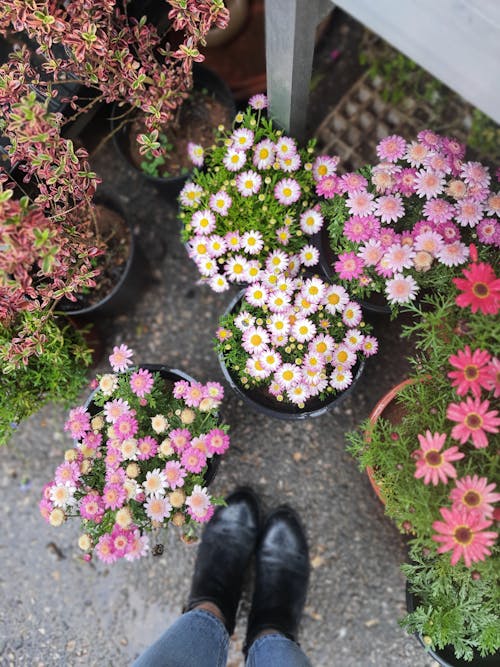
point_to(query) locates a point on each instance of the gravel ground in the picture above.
(59, 610)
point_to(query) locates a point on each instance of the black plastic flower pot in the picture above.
(261, 401)
(129, 284)
(170, 375)
(446, 656)
(376, 304)
(203, 78)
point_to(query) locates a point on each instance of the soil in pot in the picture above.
(197, 120)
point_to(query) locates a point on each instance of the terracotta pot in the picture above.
(385, 408)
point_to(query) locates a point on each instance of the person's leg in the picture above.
(281, 579)
(196, 638)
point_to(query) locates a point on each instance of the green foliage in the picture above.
(55, 372)
(484, 135)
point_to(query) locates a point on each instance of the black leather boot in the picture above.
(226, 547)
(281, 576)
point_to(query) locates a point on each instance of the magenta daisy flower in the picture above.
(120, 358)
(391, 148)
(474, 421)
(405, 181)
(432, 462)
(113, 496)
(449, 231)
(287, 191)
(472, 371)
(488, 231)
(125, 426)
(146, 448)
(104, 549)
(193, 460)
(361, 203)
(78, 422)
(328, 186)
(174, 474)
(474, 493)
(349, 266)
(141, 382)
(463, 534)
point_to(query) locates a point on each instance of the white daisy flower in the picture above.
(354, 339)
(234, 160)
(309, 255)
(285, 146)
(207, 266)
(341, 379)
(290, 163)
(278, 302)
(278, 324)
(248, 183)
(256, 294)
(218, 283)
(203, 222)
(242, 139)
(287, 375)
(255, 339)
(303, 330)
(343, 356)
(263, 154)
(252, 242)
(314, 289)
(270, 359)
(335, 299)
(253, 271)
(190, 194)
(298, 394)
(311, 221)
(235, 268)
(216, 245)
(277, 261)
(255, 368)
(244, 320)
(155, 483)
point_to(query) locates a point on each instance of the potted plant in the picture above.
(436, 464)
(402, 226)
(292, 347)
(252, 207)
(146, 446)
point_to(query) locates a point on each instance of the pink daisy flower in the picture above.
(138, 546)
(214, 390)
(258, 101)
(474, 421)
(115, 476)
(399, 257)
(195, 153)
(453, 254)
(217, 441)
(113, 456)
(391, 148)
(283, 235)
(242, 139)
(69, 471)
(437, 162)
(104, 549)
(361, 202)
(45, 507)
(401, 289)
(349, 266)
(78, 422)
(194, 394)
(433, 463)
(352, 182)
(141, 382)
(371, 252)
(429, 139)
(180, 388)
(113, 496)
(463, 534)
(468, 212)
(203, 222)
(474, 493)
(474, 173)
(125, 426)
(198, 502)
(157, 508)
(146, 448)
(114, 409)
(430, 242)
(248, 183)
(91, 507)
(356, 229)
(405, 181)
(91, 440)
(120, 541)
(193, 460)
(494, 377)
(263, 154)
(438, 210)
(120, 358)
(488, 231)
(220, 202)
(328, 186)
(180, 438)
(472, 374)
(287, 191)
(428, 184)
(174, 474)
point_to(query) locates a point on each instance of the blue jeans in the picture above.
(199, 639)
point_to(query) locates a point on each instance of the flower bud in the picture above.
(177, 498)
(84, 542)
(178, 519)
(70, 455)
(132, 470)
(187, 416)
(57, 517)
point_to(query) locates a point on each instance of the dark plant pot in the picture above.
(446, 656)
(376, 304)
(170, 375)
(170, 187)
(129, 285)
(264, 403)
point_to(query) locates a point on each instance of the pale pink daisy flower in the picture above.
(155, 483)
(284, 285)
(242, 138)
(354, 339)
(62, 494)
(283, 235)
(258, 101)
(432, 462)
(438, 210)
(391, 148)
(287, 376)
(430, 242)
(492, 206)
(91, 507)
(174, 474)
(157, 509)
(324, 165)
(214, 390)
(399, 257)
(190, 194)
(207, 266)
(220, 202)
(253, 271)
(383, 269)
(252, 242)
(341, 378)
(401, 289)
(422, 261)
(453, 254)
(114, 496)
(255, 339)
(321, 344)
(416, 153)
(69, 471)
(349, 266)
(352, 182)
(438, 162)
(138, 546)
(488, 231)
(287, 191)
(119, 360)
(244, 320)
(278, 324)
(203, 222)
(285, 146)
(309, 256)
(114, 409)
(141, 382)
(343, 356)
(248, 183)
(256, 369)
(303, 330)
(475, 173)
(428, 184)
(371, 252)
(361, 202)
(78, 422)
(235, 268)
(128, 449)
(370, 346)
(298, 394)
(277, 261)
(196, 153)
(468, 212)
(336, 298)
(216, 245)
(311, 221)
(313, 289)
(263, 154)
(234, 159)
(275, 389)
(193, 460)
(256, 294)
(113, 456)
(218, 283)
(198, 503)
(462, 532)
(352, 314)
(270, 359)
(474, 493)
(290, 164)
